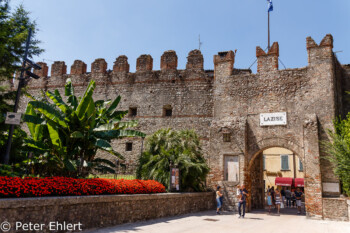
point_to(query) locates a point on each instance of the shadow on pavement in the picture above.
(135, 225)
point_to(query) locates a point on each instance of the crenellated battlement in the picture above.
(267, 61)
(223, 66)
(319, 53)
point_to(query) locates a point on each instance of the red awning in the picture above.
(299, 182)
(283, 181)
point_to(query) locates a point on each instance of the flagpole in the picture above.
(268, 30)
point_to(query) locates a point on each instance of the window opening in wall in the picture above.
(284, 162)
(133, 112)
(226, 137)
(128, 146)
(264, 161)
(231, 168)
(167, 111)
(301, 167)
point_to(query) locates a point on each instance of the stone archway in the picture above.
(254, 179)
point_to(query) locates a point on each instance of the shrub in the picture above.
(338, 151)
(66, 186)
(177, 148)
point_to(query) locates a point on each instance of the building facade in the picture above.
(280, 162)
(224, 107)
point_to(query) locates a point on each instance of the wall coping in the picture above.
(11, 203)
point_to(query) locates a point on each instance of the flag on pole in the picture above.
(270, 6)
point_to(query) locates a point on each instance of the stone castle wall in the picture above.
(187, 92)
(227, 100)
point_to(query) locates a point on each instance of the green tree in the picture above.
(13, 34)
(65, 137)
(338, 151)
(181, 149)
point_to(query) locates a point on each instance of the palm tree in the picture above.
(65, 137)
(166, 148)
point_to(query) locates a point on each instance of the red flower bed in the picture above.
(65, 186)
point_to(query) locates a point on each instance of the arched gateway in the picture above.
(236, 113)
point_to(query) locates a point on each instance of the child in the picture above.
(218, 200)
(269, 201)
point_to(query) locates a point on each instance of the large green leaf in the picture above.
(69, 92)
(54, 134)
(105, 146)
(114, 134)
(77, 134)
(36, 144)
(85, 101)
(69, 89)
(113, 106)
(49, 112)
(127, 124)
(57, 99)
(118, 115)
(70, 164)
(31, 119)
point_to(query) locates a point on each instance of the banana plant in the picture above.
(65, 136)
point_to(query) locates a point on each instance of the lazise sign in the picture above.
(274, 118)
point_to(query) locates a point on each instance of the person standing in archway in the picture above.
(278, 198)
(288, 198)
(272, 192)
(298, 195)
(242, 197)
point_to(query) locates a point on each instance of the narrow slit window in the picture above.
(167, 111)
(133, 112)
(128, 146)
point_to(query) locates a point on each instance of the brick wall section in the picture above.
(121, 64)
(336, 209)
(103, 211)
(144, 63)
(78, 67)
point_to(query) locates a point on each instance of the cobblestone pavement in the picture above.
(256, 222)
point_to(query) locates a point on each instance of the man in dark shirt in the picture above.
(298, 195)
(242, 200)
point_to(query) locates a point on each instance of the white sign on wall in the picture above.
(274, 118)
(331, 187)
(13, 118)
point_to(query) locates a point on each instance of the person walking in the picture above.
(288, 198)
(272, 191)
(293, 198)
(269, 201)
(218, 200)
(242, 199)
(298, 195)
(278, 199)
(283, 194)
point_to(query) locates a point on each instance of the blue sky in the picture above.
(90, 29)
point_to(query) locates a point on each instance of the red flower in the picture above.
(65, 186)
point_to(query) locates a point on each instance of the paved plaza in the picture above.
(256, 222)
